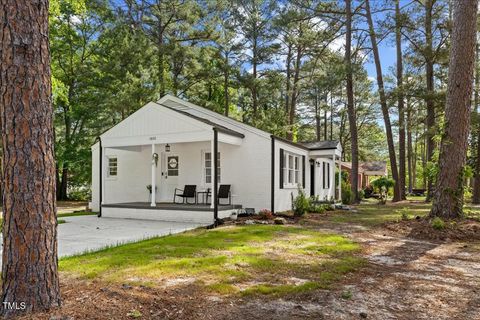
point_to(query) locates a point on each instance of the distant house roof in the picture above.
(320, 145)
(373, 168)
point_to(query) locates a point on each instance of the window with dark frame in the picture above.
(328, 175)
(112, 166)
(291, 167)
(323, 175)
(208, 167)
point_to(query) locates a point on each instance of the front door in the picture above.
(170, 172)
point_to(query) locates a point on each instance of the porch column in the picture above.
(332, 181)
(101, 178)
(340, 179)
(153, 203)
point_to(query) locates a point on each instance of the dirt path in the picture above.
(405, 279)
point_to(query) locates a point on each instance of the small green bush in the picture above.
(404, 214)
(347, 295)
(318, 208)
(383, 185)
(361, 194)
(301, 203)
(438, 223)
(346, 193)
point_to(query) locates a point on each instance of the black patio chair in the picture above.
(223, 193)
(189, 191)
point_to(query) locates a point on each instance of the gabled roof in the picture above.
(374, 166)
(212, 116)
(217, 126)
(321, 145)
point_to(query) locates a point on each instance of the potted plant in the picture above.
(149, 188)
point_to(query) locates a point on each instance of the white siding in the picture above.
(283, 197)
(245, 167)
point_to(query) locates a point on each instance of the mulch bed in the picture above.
(421, 228)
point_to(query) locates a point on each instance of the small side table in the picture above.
(205, 194)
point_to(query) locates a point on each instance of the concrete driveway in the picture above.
(90, 233)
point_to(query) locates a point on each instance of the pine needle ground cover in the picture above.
(234, 260)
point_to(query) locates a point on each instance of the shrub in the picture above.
(79, 194)
(361, 194)
(265, 214)
(301, 204)
(383, 184)
(404, 213)
(346, 193)
(317, 208)
(438, 223)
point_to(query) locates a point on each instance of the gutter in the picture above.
(272, 186)
(100, 170)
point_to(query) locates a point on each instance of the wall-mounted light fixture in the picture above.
(318, 163)
(311, 161)
(167, 148)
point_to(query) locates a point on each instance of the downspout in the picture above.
(100, 170)
(215, 177)
(272, 188)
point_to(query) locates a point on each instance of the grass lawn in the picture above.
(370, 214)
(242, 260)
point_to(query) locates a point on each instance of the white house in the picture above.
(172, 143)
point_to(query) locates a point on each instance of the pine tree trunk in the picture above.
(383, 103)
(430, 120)
(352, 119)
(317, 116)
(29, 270)
(225, 85)
(448, 201)
(401, 111)
(476, 182)
(411, 174)
(295, 89)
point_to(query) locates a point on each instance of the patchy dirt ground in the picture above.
(406, 278)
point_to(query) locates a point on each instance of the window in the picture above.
(326, 175)
(291, 169)
(172, 163)
(112, 167)
(208, 167)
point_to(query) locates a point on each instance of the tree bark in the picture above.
(295, 89)
(383, 103)
(29, 270)
(352, 118)
(430, 120)
(317, 116)
(476, 182)
(401, 111)
(226, 76)
(448, 201)
(411, 174)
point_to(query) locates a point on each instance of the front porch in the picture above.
(164, 211)
(143, 164)
(171, 206)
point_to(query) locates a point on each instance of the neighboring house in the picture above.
(171, 143)
(367, 171)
